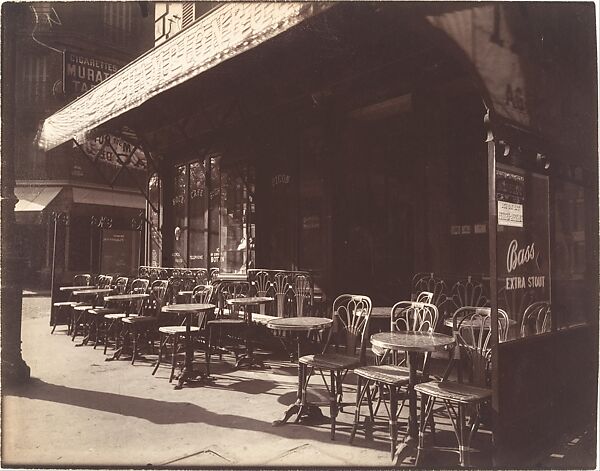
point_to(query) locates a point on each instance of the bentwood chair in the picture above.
(142, 327)
(226, 318)
(66, 307)
(389, 378)
(80, 309)
(537, 319)
(95, 316)
(380, 353)
(351, 313)
(201, 294)
(464, 399)
(112, 320)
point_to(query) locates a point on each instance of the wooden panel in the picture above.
(547, 384)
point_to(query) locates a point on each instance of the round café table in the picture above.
(188, 373)
(304, 410)
(123, 298)
(76, 288)
(412, 343)
(248, 358)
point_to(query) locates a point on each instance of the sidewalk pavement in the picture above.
(80, 411)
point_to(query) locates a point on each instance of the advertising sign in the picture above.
(113, 150)
(523, 248)
(82, 72)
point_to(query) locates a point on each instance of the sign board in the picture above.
(510, 194)
(120, 251)
(113, 150)
(82, 72)
(510, 214)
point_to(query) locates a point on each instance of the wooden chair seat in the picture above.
(118, 315)
(102, 311)
(226, 322)
(83, 307)
(136, 320)
(452, 391)
(388, 374)
(330, 361)
(177, 329)
(65, 303)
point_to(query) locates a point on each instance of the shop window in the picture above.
(154, 221)
(569, 263)
(180, 214)
(198, 228)
(220, 214)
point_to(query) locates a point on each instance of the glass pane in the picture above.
(214, 204)
(234, 208)
(155, 244)
(180, 203)
(568, 295)
(197, 216)
(523, 250)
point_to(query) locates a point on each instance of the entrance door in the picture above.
(374, 223)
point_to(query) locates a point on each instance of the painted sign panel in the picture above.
(113, 150)
(83, 72)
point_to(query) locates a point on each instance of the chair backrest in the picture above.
(431, 283)
(537, 319)
(424, 297)
(472, 328)
(482, 312)
(303, 293)
(414, 316)
(121, 284)
(351, 313)
(281, 287)
(139, 286)
(104, 281)
(202, 294)
(229, 290)
(83, 279)
(468, 292)
(159, 290)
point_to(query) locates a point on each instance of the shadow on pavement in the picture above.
(165, 412)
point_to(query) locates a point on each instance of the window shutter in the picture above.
(188, 15)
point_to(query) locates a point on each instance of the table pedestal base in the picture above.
(190, 375)
(306, 414)
(250, 362)
(406, 452)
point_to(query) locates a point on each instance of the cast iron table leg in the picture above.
(248, 358)
(188, 373)
(306, 412)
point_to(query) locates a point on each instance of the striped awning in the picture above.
(224, 33)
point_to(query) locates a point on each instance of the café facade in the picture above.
(376, 145)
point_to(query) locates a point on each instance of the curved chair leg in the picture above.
(161, 343)
(333, 402)
(359, 396)
(393, 419)
(174, 356)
